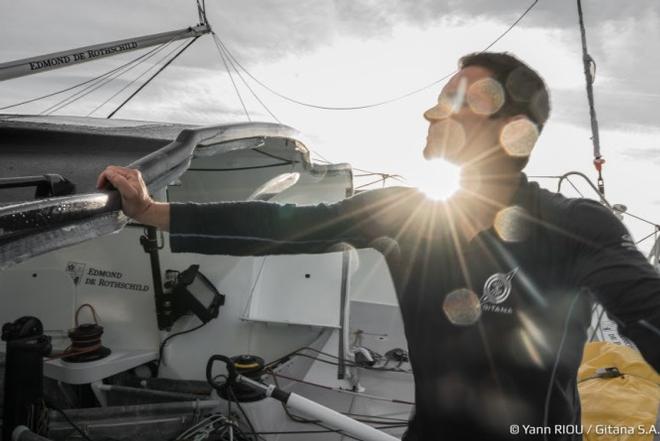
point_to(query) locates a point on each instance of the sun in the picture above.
(437, 179)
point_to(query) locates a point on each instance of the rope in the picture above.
(379, 103)
(151, 78)
(574, 187)
(648, 236)
(134, 80)
(91, 308)
(85, 338)
(201, 11)
(588, 62)
(231, 77)
(222, 48)
(103, 75)
(97, 85)
(338, 390)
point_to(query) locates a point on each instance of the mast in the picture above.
(56, 60)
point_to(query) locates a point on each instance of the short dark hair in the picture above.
(526, 92)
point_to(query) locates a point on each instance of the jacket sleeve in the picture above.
(261, 228)
(607, 262)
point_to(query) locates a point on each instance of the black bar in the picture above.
(48, 185)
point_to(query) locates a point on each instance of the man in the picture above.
(495, 285)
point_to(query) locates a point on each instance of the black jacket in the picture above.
(535, 275)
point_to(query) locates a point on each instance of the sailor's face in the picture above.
(460, 126)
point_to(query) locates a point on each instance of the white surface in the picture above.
(84, 373)
(127, 312)
(304, 290)
(372, 281)
(48, 294)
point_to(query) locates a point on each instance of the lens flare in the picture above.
(512, 224)
(351, 253)
(441, 110)
(518, 137)
(437, 179)
(448, 102)
(462, 307)
(446, 139)
(386, 246)
(486, 96)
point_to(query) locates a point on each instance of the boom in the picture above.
(55, 60)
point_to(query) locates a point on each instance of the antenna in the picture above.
(589, 65)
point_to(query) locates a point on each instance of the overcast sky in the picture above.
(354, 52)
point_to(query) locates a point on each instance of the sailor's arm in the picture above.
(135, 200)
(609, 264)
(259, 228)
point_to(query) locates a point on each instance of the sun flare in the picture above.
(437, 179)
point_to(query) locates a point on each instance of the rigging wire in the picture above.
(382, 179)
(31, 100)
(363, 172)
(231, 77)
(588, 62)
(221, 48)
(341, 391)
(94, 86)
(648, 236)
(134, 80)
(139, 89)
(298, 352)
(605, 202)
(641, 219)
(375, 104)
(201, 11)
(574, 187)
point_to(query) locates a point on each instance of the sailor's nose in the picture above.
(437, 112)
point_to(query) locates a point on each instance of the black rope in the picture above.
(588, 62)
(201, 11)
(103, 75)
(230, 389)
(94, 86)
(231, 77)
(134, 80)
(71, 423)
(270, 155)
(171, 336)
(221, 47)
(380, 103)
(252, 167)
(151, 78)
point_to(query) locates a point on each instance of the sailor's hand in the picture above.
(135, 199)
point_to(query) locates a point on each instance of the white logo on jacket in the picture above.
(496, 290)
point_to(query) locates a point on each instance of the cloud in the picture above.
(647, 154)
(614, 109)
(263, 32)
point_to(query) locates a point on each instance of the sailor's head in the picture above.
(489, 113)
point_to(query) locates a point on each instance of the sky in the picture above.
(356, 52)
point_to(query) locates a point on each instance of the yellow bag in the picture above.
(623, 408)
